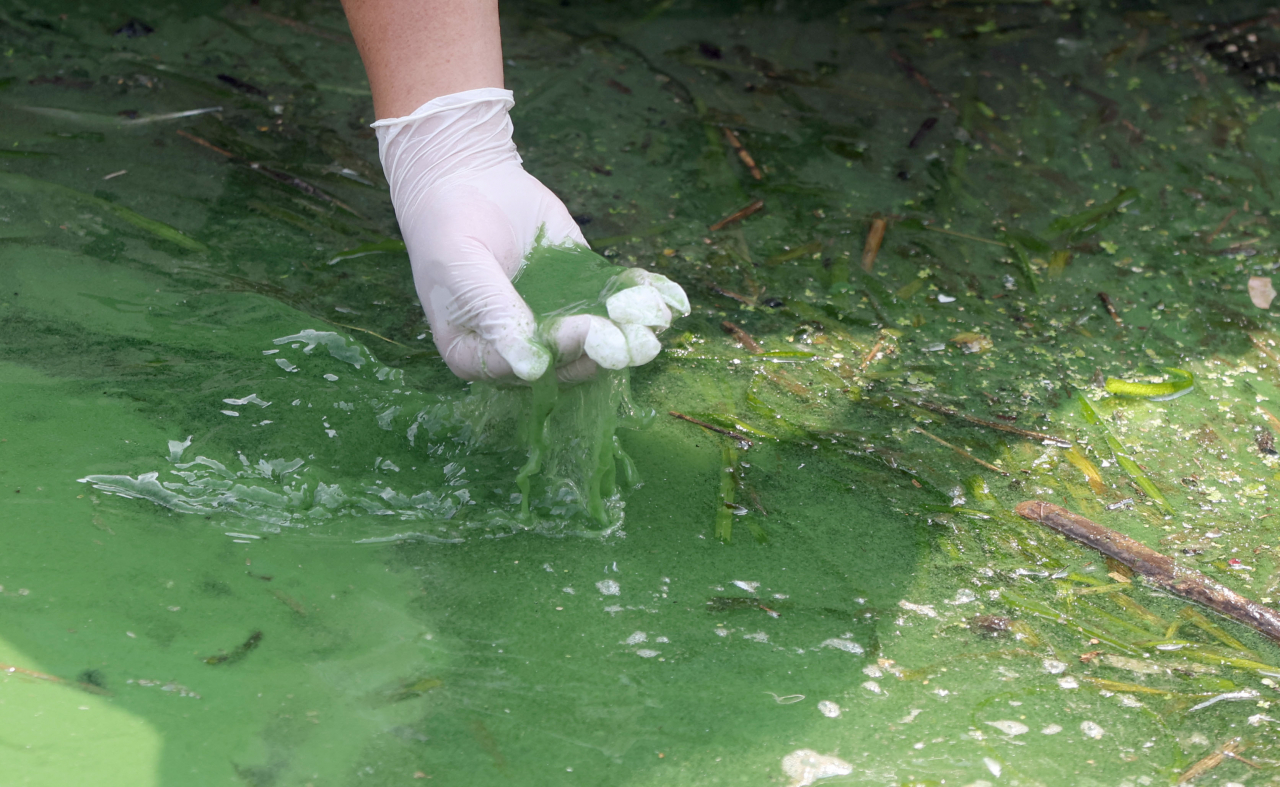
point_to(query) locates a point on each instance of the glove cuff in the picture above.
(452, 102)
(447, 136)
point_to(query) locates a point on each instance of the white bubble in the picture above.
(645, 653)
(1008, 727)
(847, 645)
(1052, 729)
(829, 709)
(806, 766)
(1091, 730)
(1054, 667)
(608, 587)
(637, 638)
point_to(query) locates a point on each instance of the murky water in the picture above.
(256, 533)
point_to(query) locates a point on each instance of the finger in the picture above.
(568, 335)
(560, 226)
(606, 344)
(577, 371)
(639, 305)
(470, 357)
(486, 306)
(642, 345)
(673, 294)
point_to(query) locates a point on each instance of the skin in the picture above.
(417, 50)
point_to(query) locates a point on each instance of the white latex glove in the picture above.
(469, 213)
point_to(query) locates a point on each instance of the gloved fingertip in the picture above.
(607, 345)
(642, 345)
(641, 305)
(528, 359)
(577, 371)
(567, 335)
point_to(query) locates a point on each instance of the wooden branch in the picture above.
(737, 215)
(1158, 569)
(1027, 433)
(749, 344)
(960, 451)
(710, 427)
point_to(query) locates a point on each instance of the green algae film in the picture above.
(898, 616)
(563, 280)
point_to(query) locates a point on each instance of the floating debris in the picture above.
(806, 766)
(244, 649)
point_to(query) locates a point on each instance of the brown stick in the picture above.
(1222, 225)
(1262, 348)
(732, 294)
(744, 338)
(960, 451)
(1106, 301)
(746, 158)
(1027, 433)
(9, 669)
(737, 215)
(1215, 759)
(921, 79)
(205, 143)
(875, 236)
(710, 427)
(871, 355)
(1158, 569)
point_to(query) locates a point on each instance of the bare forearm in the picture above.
(417, 50)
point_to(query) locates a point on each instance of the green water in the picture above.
(256, 534)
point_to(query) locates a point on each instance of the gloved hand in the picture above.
(469, 213)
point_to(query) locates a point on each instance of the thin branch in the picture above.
(959, 450)
(710, 427)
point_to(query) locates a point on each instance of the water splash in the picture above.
(375, 451)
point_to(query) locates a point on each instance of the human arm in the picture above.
(467, 209)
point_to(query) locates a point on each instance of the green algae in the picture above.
(558, 281)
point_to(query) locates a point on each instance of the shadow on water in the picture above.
(296, 559)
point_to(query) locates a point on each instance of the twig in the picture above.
(1222, 225)
(9, 669)
(875, 236)
(710, 427)
(925, 128)
(205, 143)
(955, 234)
(746, 158)
(744, 338)
(1212, 761)
(1262, 348)
(731, 294)
(1111, 309)
(915, 74)
(371, 333)
(1158, 569)
(959, 450)
(1027, 433)
(737, 215)
(871, 355)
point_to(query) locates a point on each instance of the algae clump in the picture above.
(569, 431)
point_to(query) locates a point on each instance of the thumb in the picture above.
(484, 315)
